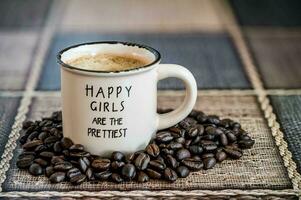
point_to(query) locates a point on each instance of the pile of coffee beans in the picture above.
(197, 142)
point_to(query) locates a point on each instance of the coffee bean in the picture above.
(40, 148)
(130, 157)
(25, 161)
(231, 137)
(182, 154)
(176, 132)
(117, 164)
(166, 151)
(79, 154)
(43, 135)
(208, 145)
(33, 135)
(220, 156)
(66, 143)
(105, 175)
(201, 118)
(64, 166)
(27, 124)
(78, 179)
(192, 132)
(171, 161)
(116, 178)
(182, 171)
(35, 169)
(142, 177)
(57, 177)
(23, 139)
(195, 149)
(56, 159)
(32, 144)
(213, 119)
(47, 154)
(210, 130)
(128, 171)
(101, 164)
(223, 139)
(57, 147)
(246, 144)
(49, 171)
(207, 155)
(73, 172)
(209, 137)
(153, 150)
(209, 163)
(170, 175)
(51, 139)
(157, 165)
(76, 147)
(233, 152)
(196, 140)
(195, 157)
(180, 140)
(175, 145)
(153, 174)
(142, 161)
(193, 164)
(117, 155)
(89, 174)
(41, 162)
(164, 137)
(83, 164)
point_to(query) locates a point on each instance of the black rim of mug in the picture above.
(152, 50)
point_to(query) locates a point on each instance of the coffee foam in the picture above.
(108, 62)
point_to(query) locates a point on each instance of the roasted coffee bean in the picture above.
(26, 153)
(187, 143)
(244, 136)
(175, 145)
(49, 171)
(182, 154)
(77, 180)
(166, 151)
(27, 124)
(46, 154)
(35, 169)
(208, 145)
(192, 132)
(201, 118)
(130, 157)
(236, 125)
(66, 143)
(196, 140)
(117, 164)
(117, 155)
(56, 159)
(193, 113)
(195, 157)
(63, 166)
(182, 172)
(89, 174)
(176, 132)
(105, 175)
(233, 152)
(40, 148)
(101, 164)
(246, 144)
(25, 161)
(116, 178)
(57, 147)
(73, 172)
(51, 139)
(171, 161)
(142, 161)
(153, 174)
(128, 171)
(231, 137)
(195, 149)
(32, 144)
(142, 177)
(76, 147)
(220, 156)
(57, 177)
(23, 139)
(153, 150)
(208, 137)
(180, 140)
(43, 135)
(213, 119)
(225, 123)
(41, 162)
(164, 137)
(33, 135)
(157, 164)
(209, 163)
(170, 175)
(83, 164)
(223, 139)
(193, 164)
(79, 154)
(210, 130)
(207, 155)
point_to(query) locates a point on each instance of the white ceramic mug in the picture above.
(117, 111)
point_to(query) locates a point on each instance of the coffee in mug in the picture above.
(109, 95)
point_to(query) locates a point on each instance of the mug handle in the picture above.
(172, 70)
